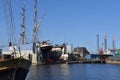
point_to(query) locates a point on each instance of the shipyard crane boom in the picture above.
(36, 29)
(40, 21)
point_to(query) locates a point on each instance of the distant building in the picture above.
(82, 51)
(116, 56)
(66, 50)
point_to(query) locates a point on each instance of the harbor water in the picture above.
(74, 72)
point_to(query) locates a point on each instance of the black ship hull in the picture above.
(46, 49)
(50, 56)
(14, 69)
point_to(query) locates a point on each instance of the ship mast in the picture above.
(35, 21)
(22, 38)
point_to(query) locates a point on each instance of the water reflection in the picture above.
(74, 72)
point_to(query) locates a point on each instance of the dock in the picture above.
(87, 61)
(113, 62)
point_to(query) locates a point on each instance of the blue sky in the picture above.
(75, 22)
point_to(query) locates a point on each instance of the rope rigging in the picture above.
(9, 21)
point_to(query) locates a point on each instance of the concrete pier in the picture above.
(34, 58)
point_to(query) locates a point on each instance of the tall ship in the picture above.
(13, 68)
(12, 64)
